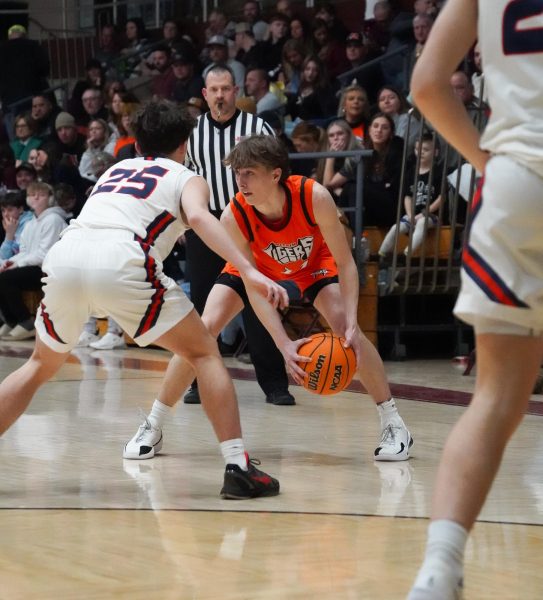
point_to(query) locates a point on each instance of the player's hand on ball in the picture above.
(353, 339)
(292, 359)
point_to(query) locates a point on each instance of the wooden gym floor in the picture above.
(78, 522)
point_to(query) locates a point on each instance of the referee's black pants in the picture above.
(203, 267)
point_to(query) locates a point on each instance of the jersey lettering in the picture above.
(284, 254)
(518, 40)
(137, 183)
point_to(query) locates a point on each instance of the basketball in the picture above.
(332, 366)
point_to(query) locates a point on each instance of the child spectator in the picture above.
(14, 220)
(422, 201)
(23, 271)
(25, 174)
(306, 137)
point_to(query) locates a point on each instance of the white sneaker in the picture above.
(395, 443)
(440, 584)
(86, 338)
(109, 342)
(4, 330)
(145, 444)
(20, 333)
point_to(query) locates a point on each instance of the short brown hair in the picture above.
(263, 150)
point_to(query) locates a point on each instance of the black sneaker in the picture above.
(280, 398)
(242, 485)
(192, 396)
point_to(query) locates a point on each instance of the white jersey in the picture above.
(142, 196)
(511, 41)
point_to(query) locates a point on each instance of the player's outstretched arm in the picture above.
(194, 204)
(265, 311)
(326, 217)
(453, 34)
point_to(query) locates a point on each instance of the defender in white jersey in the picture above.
(502, 278)
(109, 262)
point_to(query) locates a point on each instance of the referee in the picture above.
(215, 134)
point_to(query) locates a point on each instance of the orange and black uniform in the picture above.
(291, 249)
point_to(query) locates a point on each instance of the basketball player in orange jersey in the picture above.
(502, 276)
(288, 227)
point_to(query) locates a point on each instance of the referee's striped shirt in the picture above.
(211, 142)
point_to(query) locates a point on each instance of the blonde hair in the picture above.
(352, 144)
(35, 187)
(343, 97)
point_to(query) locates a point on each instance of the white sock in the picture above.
(388, 413)
(159, 413)
(443, 564)
(233, 452)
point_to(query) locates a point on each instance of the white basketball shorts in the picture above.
(106, 273)
(502, 261)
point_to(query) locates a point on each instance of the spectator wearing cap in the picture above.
(25, 174)
(273, 46)
(257, 85)
(24, 68)
(357, 54)
(94, 78)
(218, 53)
(24, 139)
(187, 84)
(252, 16)
(71, 143)
(249, 52)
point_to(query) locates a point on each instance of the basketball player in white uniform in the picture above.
(502, 278)
(109, 262)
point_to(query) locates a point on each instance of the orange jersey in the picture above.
(292, 248)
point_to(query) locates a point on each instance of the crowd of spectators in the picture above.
(289, 65)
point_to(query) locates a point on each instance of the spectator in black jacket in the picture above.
(24, 67)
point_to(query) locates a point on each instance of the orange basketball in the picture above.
(332, 366)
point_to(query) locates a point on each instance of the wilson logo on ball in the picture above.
(332, 366)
